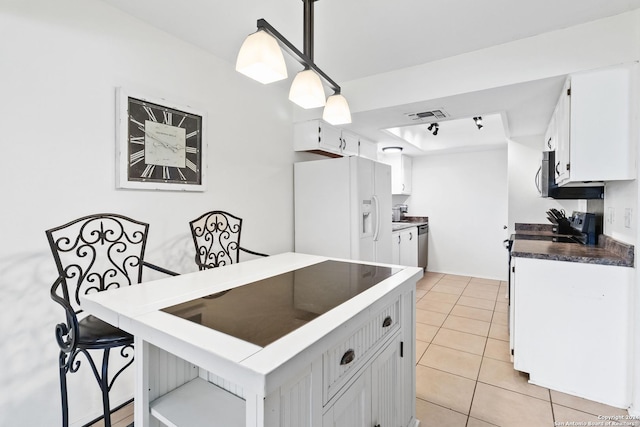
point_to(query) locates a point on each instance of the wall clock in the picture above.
(160, 144)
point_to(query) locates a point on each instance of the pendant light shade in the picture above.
(260, 58)
(306, 90)
(337, 112)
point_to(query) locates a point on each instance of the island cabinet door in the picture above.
(353, 408)
(386, 381)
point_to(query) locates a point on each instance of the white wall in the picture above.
(61, 62)
(525, 203)
(618, 197)
(465, 197)
(592, 45)
(623, 195)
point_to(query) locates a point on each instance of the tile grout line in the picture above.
(475, 386)
(494, 315)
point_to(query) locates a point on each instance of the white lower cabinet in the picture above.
(404, 249)
(386, 383)
(360, 373)
(571, 327)
(353, 408)
(374, 399)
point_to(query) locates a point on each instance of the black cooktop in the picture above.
(264, 311)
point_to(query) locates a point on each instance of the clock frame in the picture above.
(161, 144)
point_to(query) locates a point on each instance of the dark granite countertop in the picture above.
(608, 251)
(408, 222)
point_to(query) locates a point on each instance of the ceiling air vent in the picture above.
(428, 116)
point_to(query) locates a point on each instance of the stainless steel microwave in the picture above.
(547, 187)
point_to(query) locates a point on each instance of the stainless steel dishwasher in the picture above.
(423, 246)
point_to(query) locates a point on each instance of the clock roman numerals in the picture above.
(167, 117)
(136, 157)
(148, 171)
(191, 165)
(165, 173)
(150, 112)
(191, 150)
(192, 134)
(137, 140)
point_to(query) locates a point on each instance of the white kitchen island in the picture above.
(298, 340)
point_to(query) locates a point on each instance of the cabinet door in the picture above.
(568, 305)
(367, 149)
(386, 382)
(512, 305)
(550, 143)
(409, 247)
(407, 168)
(562, 122)
(353, 408)
(601, 105)
(315, 135)
(395, 247)
(349, 144)
(396, 173)
(596, 109)
(330, 138)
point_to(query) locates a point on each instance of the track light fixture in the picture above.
(478, 121)
(260, 58)
(433, 128)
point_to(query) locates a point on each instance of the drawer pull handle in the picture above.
(387, 322)
(348, 357)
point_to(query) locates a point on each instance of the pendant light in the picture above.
(336, 112)
(258, 61)
(306, 90)
(261, 58)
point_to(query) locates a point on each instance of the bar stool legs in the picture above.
(104, 386)
(68, 363)
(64, 367)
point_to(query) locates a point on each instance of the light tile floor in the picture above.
(464, 376)
(120, 418)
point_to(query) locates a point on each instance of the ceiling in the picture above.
(358, 38)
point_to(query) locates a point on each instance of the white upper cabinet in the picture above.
(316, 135)
(592, 125)
(350, 143)
(320, 137)
(368, 149)
(401, 170)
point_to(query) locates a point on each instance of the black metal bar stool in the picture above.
(216, 236)
(93, 254)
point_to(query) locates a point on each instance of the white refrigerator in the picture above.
(343, 208)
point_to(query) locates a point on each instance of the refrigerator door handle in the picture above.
(377, 230)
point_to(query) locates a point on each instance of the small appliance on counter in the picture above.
(583, 226)
(588, 226)
(398, 212)
(395, 214)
